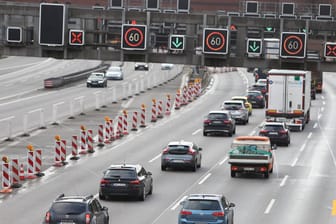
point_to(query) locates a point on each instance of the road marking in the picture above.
(205, 178)
(303, 147)
(126, 104)
(178, 203)
(295, 161)
(195, 132)
(253, 132)
(319, 116)
(315, 125)
(269, 207)
(283, 182)
(333, 211)
(223, 161)
(155, 158)
(310, 134)
(322, 97)
(322, 109)
(323, 102)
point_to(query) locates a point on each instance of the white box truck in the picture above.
(288, 97)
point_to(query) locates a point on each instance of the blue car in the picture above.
(206, 209)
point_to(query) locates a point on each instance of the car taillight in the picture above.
(165, 151)
(218, 214)
(103, 181)
(47, 217)
(283, 132)
(185, 212)
(263, 132)
(227, 122)
(135, 182)
(87, 218)
(191, 152)
(260, 97)
(206, 121)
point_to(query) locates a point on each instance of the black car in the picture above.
(219, 122)
(256, 98)
(277, 132)
(258, 73)
(141, 66)
(97, 79)
(77, 209)
(126, 180)
(181, 154)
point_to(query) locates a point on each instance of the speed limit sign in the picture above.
(133, 37)
(215, 41)
(293, 45)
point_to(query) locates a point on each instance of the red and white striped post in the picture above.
(15, 174)
(101, 135)
(160, 109)
(6, 178)
(154, 118)
(74, 148)
(57, 158)
(168, 105)
(22, 172)
(111, 124)
(83, 140)
(135, 121)
(107, 130)
(178, 99)
(38, 163)
(143, 116)
(90, 141)
(125, 122)
(63, 151)
(30, 163)
(184, 96)
(120, 127)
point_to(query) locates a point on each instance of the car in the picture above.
(219, 122)
(256, 98)
(248, 105)
(96, 79)
(141, 66)
(260, 87)
(181, 154)
(237, 110)
(131, 180)
(77, 209)
(258, 73)
(166, 66)
(278, 132)
(206, 208)
(114, 72)
(262, 81)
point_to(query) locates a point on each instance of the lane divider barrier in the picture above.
(15, 174)
(74, 146)
(83, 140)
(90, 141)
(160, 108)
(154, 118)
(30, 163)
(143, 116)
(6, 178)
(125, 122)
(168, 104)
(178, 100)
(135, 121)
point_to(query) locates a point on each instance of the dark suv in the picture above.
(219, 122)
(126, 180)
(77, 209)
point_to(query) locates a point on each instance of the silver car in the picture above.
(237, 110)
(115, 72)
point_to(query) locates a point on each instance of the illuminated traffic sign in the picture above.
(176, 42)
(330, 50)
(293, 45)
(14, 34)
(215, 41)
(76, 37)
(134, 37)
(254, 46)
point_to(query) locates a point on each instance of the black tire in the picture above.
(151, 189)
(194, 168)
(233, 173)
(230, 133)
(163, 168)
(266, 174)
(88, 85)
(199, 165)
(102, 197)
(205, 134)
(234, 130)
(142, 196)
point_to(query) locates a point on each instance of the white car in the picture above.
(114, 72)
(262, 82)
(165, 66)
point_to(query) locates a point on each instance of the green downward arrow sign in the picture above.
(254, 47)
(177, 43)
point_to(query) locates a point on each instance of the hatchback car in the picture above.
(96, 79)
(237, 110)
(141, 66)
(77, 209)
(260, 87)
(248, 105)
(256, 98)
(277, 132)
(219, 122)
(114, 73)
(206, 208)
(181, 154)
(126, 180)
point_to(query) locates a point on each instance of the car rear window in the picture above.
(178, 149)
(232, 106)
(120, 173)
(196, 204)
(273, 127)
(68, 208)
(218, 116)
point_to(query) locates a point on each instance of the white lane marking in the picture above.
(195, 132)
(319, 116)
(303, 147)
(223, 161)
(205, 178)
(283, 182)
(315, 125)
(322, 97)
(309, 135)
(323, 102)
(269, 207)
(253, 132)
(26, 98)
(322, 109)
(178, 203)
(294, 162)
(155, 158)
(126, 104)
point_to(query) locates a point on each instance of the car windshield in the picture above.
(232, 106)
(68, 208)
(97, 76)
(218, 116)
(120, 173)
(196, 204)
(114, 69)
(273, 127)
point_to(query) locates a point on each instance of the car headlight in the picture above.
(89, 81)
(100, 81)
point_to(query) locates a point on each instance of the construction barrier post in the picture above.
(120, 127)
(38, 163)
(143, 116)
(30, 162)
(101, 135)
(168, 105)
(112, 137)
(107, 131)
(63, 151)
(178, 99)
(153, 119)
(15, 174)
(125, 122)
(22, 172)
(90, 141)
(74, 146)
(57, 158)
(83, 140)
(160, 108)
(135, 121)
(6, 178)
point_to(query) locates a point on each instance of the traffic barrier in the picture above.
(135, 121)
(30, 163)
(143, 116)
(178, 99)
(83, 141)
(74, 146)
(15, 174)
(63, 151)
(168, 105)
(90, 141)
(6, 178)
(38, 163)
(112, 137)
(125, 123)
(160, 108)
(101, 135)
(107, 131)
(119, 127)
(22, 172)
(184, 96)
(57, 158)
(154, 118)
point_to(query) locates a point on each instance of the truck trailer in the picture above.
(288, 97)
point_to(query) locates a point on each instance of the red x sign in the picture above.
(76, 37)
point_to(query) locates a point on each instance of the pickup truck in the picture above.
(251, 154)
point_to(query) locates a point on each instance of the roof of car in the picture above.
(274, 123)
(137, 167)
(254, 91)
(181, 142)
(233, 102)
(73, 198)
(205, 196)
(219, 112)
(239, 97)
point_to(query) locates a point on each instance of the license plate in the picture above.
(249, 168)
(217, 122)
(178, 161)
(119, 184)
(273, 133)
(67, 223)
(253, 101)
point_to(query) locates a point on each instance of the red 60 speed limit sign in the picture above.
(293, 45)
(134, 37)
(215, 41)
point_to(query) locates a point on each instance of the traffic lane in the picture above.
(13, 63)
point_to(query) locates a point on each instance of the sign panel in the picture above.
(51, 24)
(330, 50)
(14, 34)
(215, 41)
(254, 46)
(176, 42)
(134, 37)
(293, 45)
(76, 37)
(152, 4)
(183, 5)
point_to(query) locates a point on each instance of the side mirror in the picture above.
(200, 148)
(105, 208)
(232, 205)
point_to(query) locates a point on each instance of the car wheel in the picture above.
(233, 173)
(234, 131)
(88, 85)
(194, 166)
(199, 165)
(151, 189)
(266, 174)
(205, 134)
(102, 197)
(163, 168)
(230, 133)
(143, 194)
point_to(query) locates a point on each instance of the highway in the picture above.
(300, 190)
